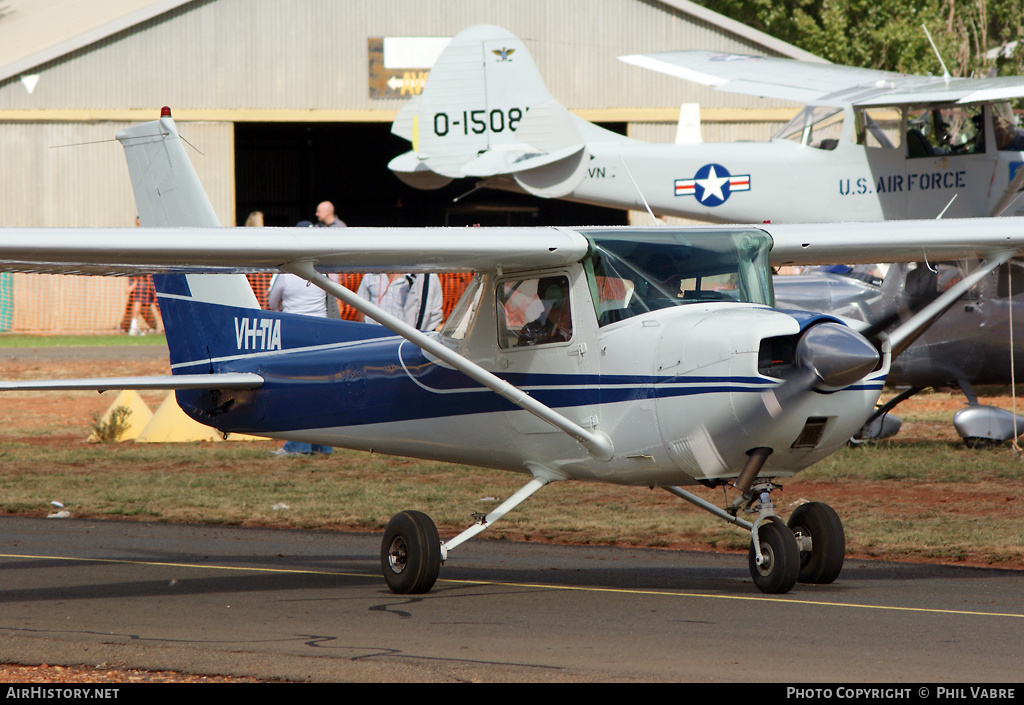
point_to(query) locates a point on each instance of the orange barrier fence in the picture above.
(51, 304)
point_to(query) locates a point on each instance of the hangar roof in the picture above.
(33, 32)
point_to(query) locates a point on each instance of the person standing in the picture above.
(424, 307)
(326, 218)
(417, 299)
(290, 293)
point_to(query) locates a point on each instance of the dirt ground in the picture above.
(26, 409)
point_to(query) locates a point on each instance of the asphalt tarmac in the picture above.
(312, 606)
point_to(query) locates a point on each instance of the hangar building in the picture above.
(290, 102)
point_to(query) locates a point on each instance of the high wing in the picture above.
(211, 250)
(829, 84)
(224, 250)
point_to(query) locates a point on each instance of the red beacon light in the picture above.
(165, 112)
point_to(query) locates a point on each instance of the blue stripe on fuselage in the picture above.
(388, 379)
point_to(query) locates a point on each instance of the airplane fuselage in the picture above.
(742, 182)
(678, 391)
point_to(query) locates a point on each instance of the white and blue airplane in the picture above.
(869, 145)
(631, 356)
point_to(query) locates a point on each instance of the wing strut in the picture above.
(597, 443)
(1010, 194)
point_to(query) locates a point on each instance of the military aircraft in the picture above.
(973, 343)
(869, 145)
(575, 354)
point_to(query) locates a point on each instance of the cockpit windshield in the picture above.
(818, 126)
(632, 273)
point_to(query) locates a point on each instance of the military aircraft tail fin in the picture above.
(485, 112)
(168, 193)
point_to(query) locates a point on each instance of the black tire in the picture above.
(978, 443)
(778, 572)
(823, 563)
(410, 554)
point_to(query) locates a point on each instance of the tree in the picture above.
(888, 34)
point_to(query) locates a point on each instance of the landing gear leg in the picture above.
(774, 555)
(411, 553)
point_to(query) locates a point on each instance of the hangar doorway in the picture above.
(286, 169)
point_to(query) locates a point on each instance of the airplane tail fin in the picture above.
(168, 193)
(485, 112)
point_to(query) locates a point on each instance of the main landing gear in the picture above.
(809, 549)
(411, 553)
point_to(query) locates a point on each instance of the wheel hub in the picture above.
(767, 560)
(398, 554)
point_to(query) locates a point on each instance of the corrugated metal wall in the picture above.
(312, 54)
(74, 175)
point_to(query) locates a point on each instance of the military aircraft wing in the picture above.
(895, 241)
(814, 83)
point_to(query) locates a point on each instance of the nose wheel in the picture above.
(819, 534)
(778, 568)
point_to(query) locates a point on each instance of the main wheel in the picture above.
(410, 554)
(780, 566)
(822, 564)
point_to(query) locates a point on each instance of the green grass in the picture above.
(972, 512)
(17, 340)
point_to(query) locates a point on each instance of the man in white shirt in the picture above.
(293, 294)
(401, 295)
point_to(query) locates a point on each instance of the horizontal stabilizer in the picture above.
(211, 381)
(413, 171)
(512, 161)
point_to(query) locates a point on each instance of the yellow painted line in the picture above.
(536, 586)
(200, 566)
(745, 598)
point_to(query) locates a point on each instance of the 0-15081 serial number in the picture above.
(478, 121)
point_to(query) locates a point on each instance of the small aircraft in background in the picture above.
(870, 145)
(973, 343)
(575, 353)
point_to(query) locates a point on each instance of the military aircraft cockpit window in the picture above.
(465, 310)
(818, 126)
(534, 311)
(878, 128)
(631, 274)
(1009, 137)
(945, 131)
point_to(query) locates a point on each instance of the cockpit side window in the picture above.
(534, 311)
(878, 128)
(936, 132)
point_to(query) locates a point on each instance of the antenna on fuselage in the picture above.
(939, 216)
(945, 71)
(637, 187)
